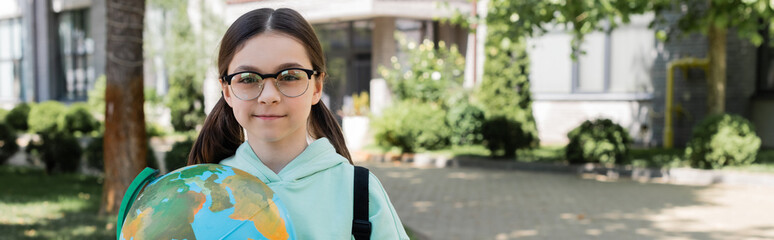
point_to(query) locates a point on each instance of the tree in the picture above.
(750, 19)
(187, 50)
(125, 142)
(712, 18)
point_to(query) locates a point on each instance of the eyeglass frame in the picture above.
(309, 73)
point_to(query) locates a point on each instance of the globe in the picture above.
(207, 201)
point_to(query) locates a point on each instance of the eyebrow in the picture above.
(280, 67)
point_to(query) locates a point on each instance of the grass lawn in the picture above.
(64, 206)
(36, 206)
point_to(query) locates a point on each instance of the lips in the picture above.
(269, 116)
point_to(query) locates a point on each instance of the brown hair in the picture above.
(221, 134)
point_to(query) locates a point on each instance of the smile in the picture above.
(269, 117)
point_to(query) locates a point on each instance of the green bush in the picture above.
(178, 156)
(411, 127)
(430, 71)
(17, 117)
(95, 154)
(8, 144)
(723, 140)
(502, 136)
(466, 122)
(44, 117)
(59, 151)
(600, 140)
(505, 88)
(78, 119)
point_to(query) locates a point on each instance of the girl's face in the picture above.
(272, 116)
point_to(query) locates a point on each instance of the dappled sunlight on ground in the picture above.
(469, 203)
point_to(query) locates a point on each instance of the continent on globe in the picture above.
(207, 201)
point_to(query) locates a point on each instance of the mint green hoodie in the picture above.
(316, 188)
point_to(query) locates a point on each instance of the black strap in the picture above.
(361, 227)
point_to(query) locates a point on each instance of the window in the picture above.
(615, 62)
(10, 58)
(76, 47)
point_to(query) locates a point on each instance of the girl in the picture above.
(272, 71)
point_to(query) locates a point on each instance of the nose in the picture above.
(270, 93)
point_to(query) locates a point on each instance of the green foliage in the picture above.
(428, 72)
(8, 144)
(57, 127)
(17, 117)
(504, 92)
(502, 136)
(44, 117)
(600, 140)
(96, 100)
(60, 151)
(95, 154)
(412, 126)
(78, 119)
(466, 122)
(746, 16)
(178, 156)
(186, 58)
(723, 140)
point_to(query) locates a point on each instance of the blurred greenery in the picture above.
(600, 140)
(62, 206)
(412, 126)
(186, 57)
(428, 73)
(8, 145)
(17, 117)
(723, 140)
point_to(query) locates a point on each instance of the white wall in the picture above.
(555, 119)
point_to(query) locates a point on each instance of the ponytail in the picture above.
(323, 124)
(219, 138)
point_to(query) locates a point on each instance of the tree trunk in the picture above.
(125, 143)
(716, 79)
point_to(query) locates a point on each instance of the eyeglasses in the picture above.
(248, 85)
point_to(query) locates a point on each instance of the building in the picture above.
(50, 49)
(623, 75)
(55, 49)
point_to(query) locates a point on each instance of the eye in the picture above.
(291, 75)
(247, 78)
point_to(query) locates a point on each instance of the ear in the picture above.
(317, 87)
(226, 91)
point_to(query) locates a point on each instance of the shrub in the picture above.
(502, 136)
(723, 140)
(79, 119)
(429, 71)
(8, 144)
(44, 117)
(95, 154)
(178, 156)
(466, 122)
(600, 140)
(504, 89)
(17, 117)
(412, 126)
(59, 151)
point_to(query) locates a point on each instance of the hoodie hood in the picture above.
(318, 156)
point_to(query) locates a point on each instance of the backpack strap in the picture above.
(139, 182)
(361, 227)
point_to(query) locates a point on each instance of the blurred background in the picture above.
(498, 119)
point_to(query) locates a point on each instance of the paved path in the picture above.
(471, 203)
